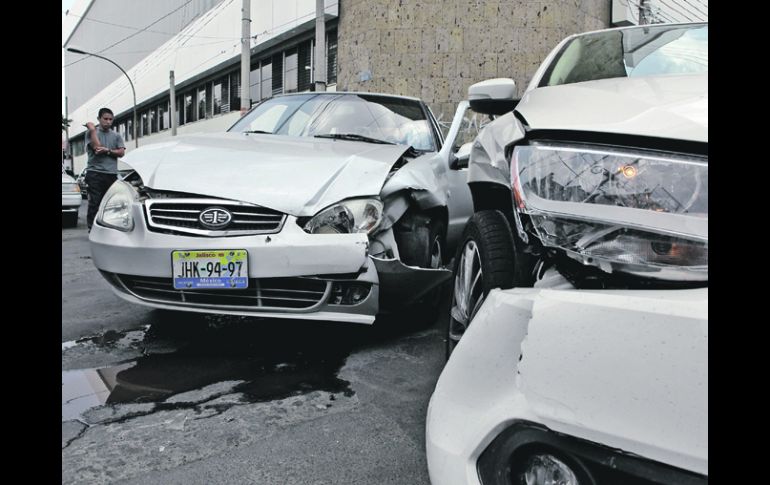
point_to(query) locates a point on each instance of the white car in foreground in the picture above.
(323, 206)
(70, 201)
(591, 201)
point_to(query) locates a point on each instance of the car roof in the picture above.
(632, 27)
(329, 93)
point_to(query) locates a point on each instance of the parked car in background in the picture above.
(578, 339)
(81, 180)
(325, 206)
(70, 201)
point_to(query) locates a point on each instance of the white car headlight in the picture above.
(643, 213)
(348, 216)
(115, 210)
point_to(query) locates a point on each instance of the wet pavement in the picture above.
(268, 361)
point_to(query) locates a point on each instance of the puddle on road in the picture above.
(273, 361)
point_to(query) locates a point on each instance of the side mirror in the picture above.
(461, 156)
(493, 96)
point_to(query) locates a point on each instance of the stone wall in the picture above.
(435, 49)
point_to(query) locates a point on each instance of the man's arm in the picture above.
(94, 140)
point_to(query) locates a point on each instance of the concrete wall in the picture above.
(435, 49)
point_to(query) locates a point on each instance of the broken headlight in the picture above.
(642, 213)
(115, 210)
(348, 216)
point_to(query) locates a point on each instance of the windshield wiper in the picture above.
(353, 137)
(259, 131)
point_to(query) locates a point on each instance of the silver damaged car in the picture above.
(323, 206)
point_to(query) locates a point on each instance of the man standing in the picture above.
(104, 147)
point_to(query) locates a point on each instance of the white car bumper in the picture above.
(70, 202)
(138, 264)
(623, 368)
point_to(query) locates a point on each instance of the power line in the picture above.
(704, 14)
(137, 32)
(152, 31)
(674, 10)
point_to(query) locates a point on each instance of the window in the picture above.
(235, 91)
(189, 107)
(144, 128)
(209, 100)
(225, 94)
(163, 116)
(254, 84)
(78, 147)
(202, 103)
(153, 120)
(290, 70)
(267, 80)
(179, 111)
(217, 96)
(331, 57)
(277, 74)
(304, 75)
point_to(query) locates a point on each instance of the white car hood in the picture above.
(294, 175)
(659, 106)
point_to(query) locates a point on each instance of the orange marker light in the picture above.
(628, 171)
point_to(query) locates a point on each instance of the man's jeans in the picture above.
(98, 183)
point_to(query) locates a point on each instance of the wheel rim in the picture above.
(468, 293)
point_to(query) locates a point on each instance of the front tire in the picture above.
(69, 219)
(486, 258)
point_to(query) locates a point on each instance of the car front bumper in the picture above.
(70, 201)
(313, 268)
(627, 369)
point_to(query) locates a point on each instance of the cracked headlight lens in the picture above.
(643, 213)
(115, 210)
(348, 216)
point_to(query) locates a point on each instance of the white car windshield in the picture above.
(357, 117)
(639, 51)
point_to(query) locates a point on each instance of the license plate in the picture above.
(212, 269)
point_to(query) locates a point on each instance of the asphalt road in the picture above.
(162, 397)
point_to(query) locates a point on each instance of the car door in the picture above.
(463, 129)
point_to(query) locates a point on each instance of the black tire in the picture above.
(69, 219)
(489, 241)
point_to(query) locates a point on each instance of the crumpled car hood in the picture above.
(294, 175)
(659, 106)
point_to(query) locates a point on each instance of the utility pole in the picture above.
(644, 17)
(245, 56)
(320, 46)
(67, 134)
(172, 103)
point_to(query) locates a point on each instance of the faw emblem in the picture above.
(215, 218)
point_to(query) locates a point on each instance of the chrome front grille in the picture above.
(182, 216)
(284, 294)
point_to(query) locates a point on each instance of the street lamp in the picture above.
(78, 51)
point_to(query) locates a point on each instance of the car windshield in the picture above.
(357, 117)
(640, 51)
